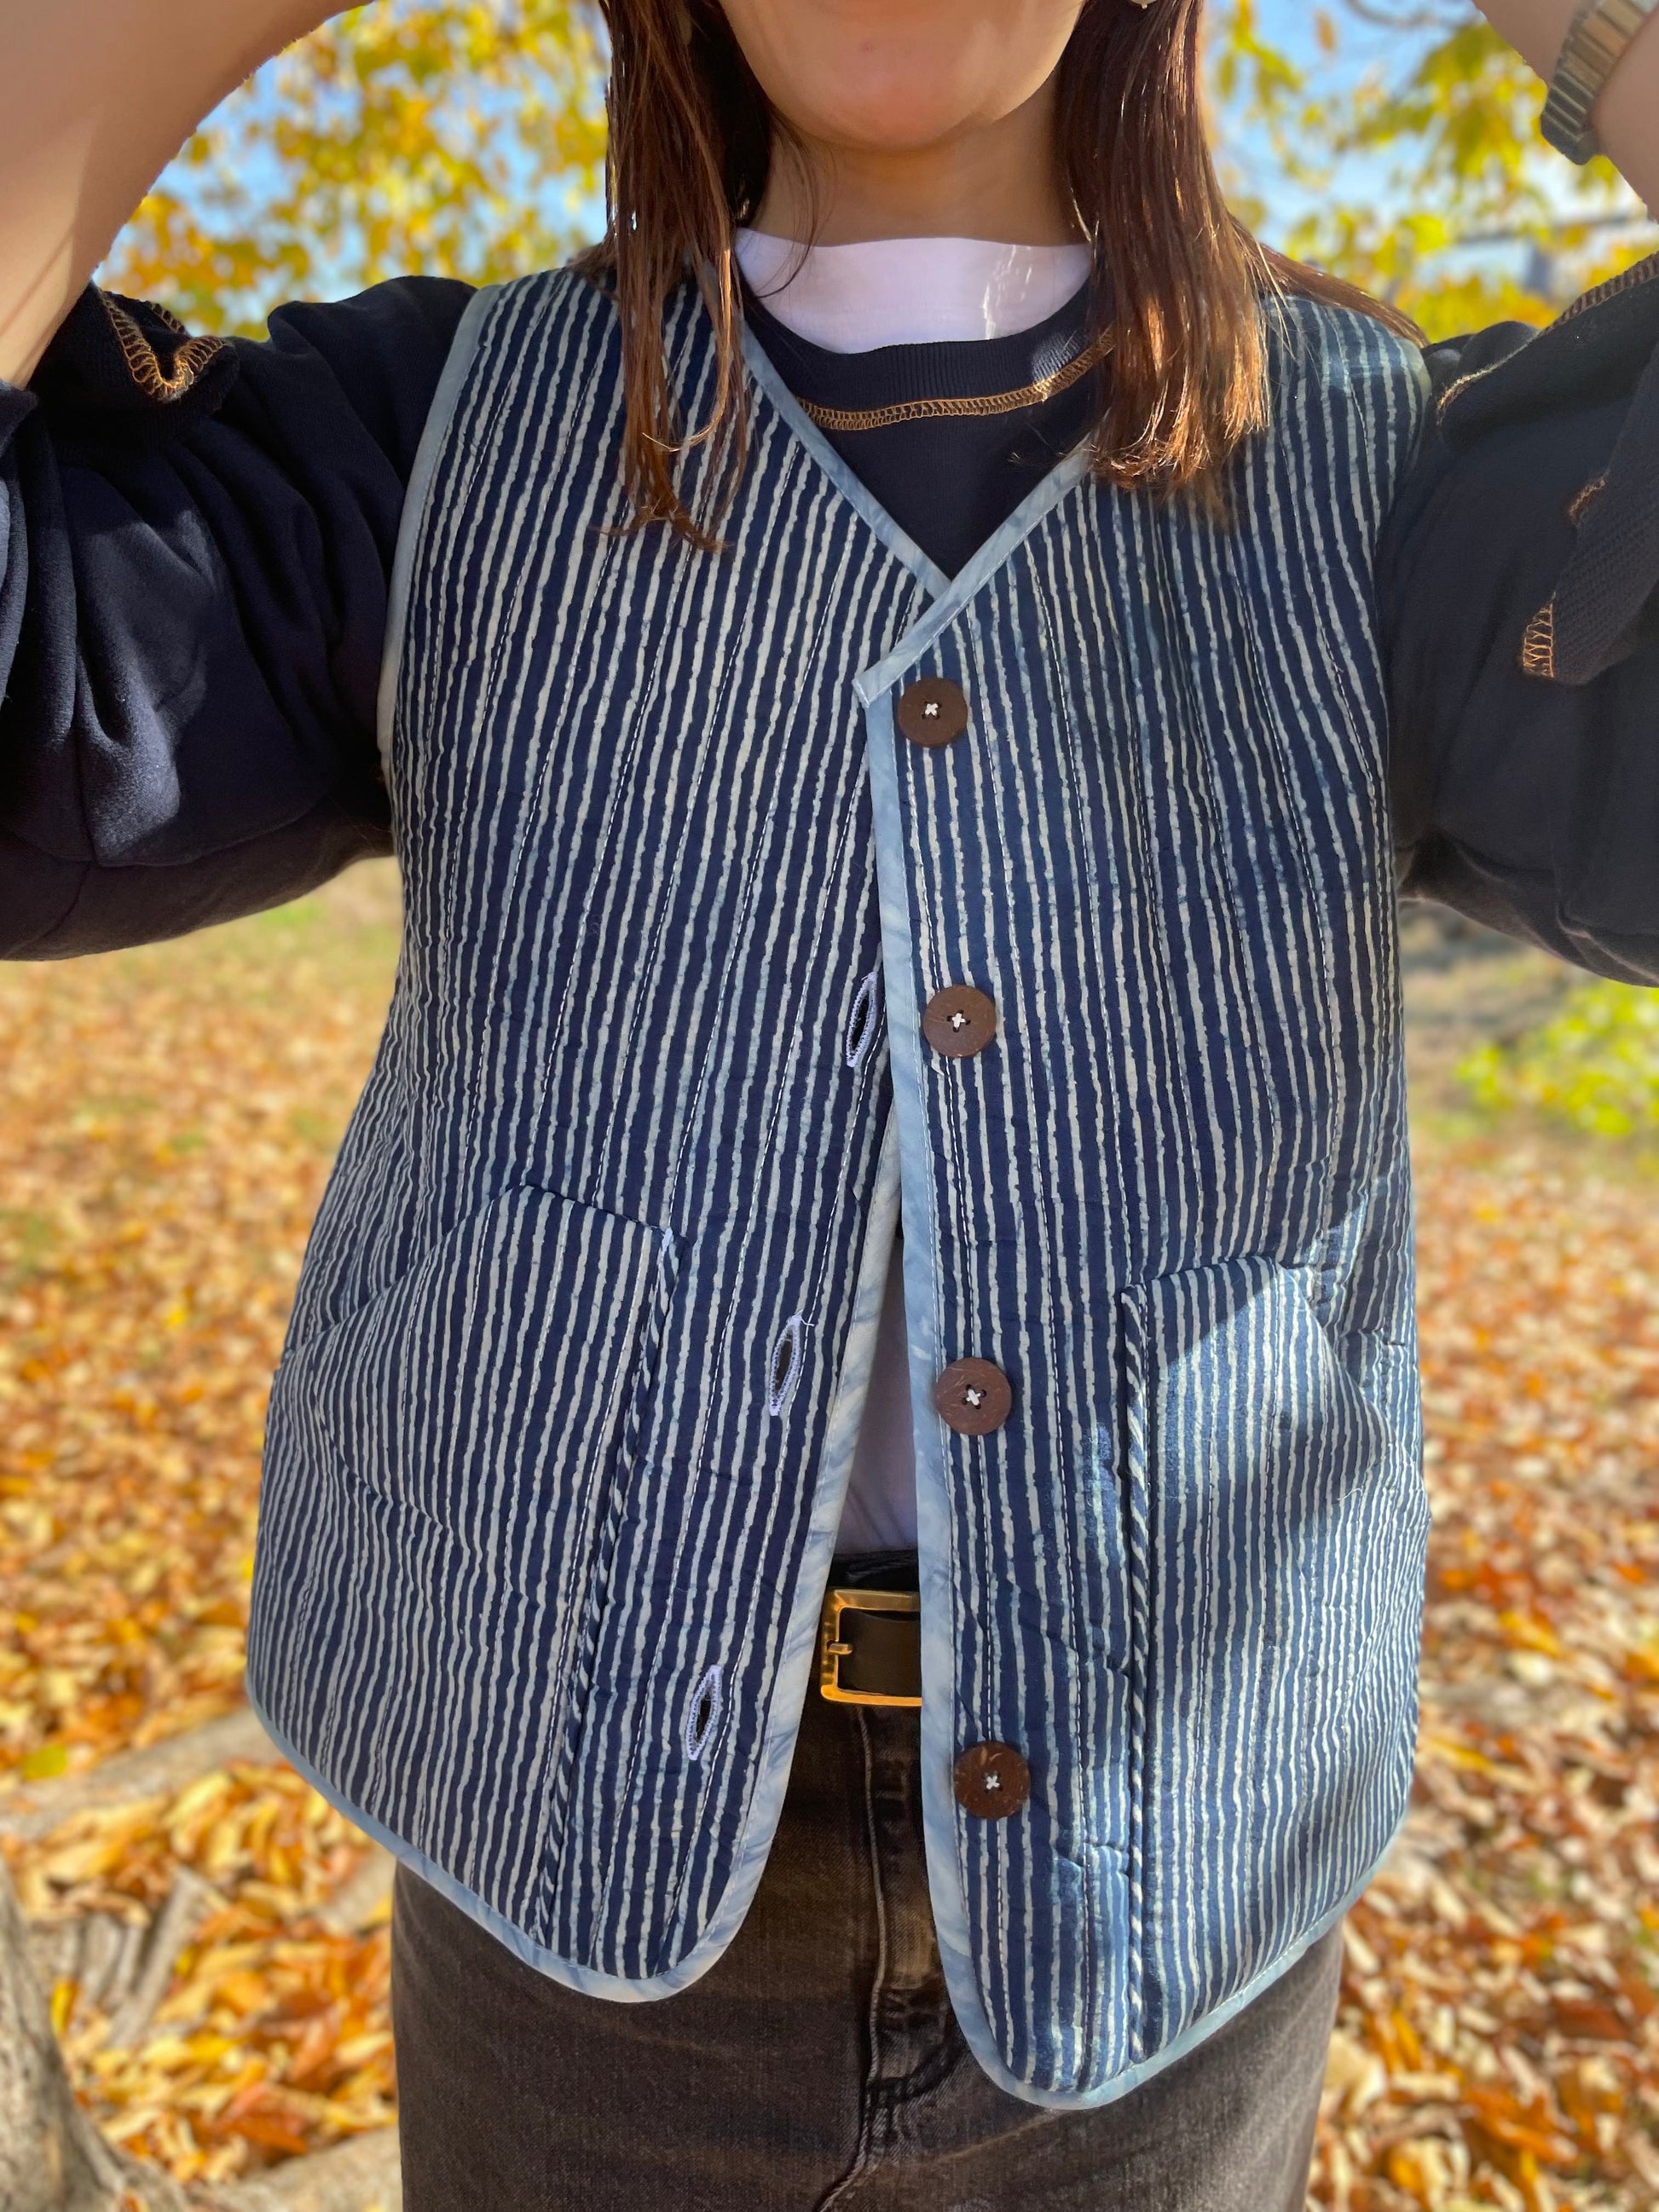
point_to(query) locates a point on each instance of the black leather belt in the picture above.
(870, 1647)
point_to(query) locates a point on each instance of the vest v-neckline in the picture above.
(948, 594)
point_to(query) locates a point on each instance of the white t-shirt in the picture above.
(852, 299)
(909, 291)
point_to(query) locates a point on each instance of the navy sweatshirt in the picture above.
(195, 542)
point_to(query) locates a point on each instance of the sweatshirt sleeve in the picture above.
(1518, 585)
(195, 542)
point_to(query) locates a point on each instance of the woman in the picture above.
(896, 730)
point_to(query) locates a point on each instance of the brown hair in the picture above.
(692, 138)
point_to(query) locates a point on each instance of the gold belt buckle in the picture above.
(833, 1647)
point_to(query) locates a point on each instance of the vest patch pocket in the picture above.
(484, 1386)
(440, 1468)
(1275, 1531)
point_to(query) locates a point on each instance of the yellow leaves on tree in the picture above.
(450, 140)
(467, 139)
(1403, 157)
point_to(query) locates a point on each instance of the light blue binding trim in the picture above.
(463, 349)
(898, 542)
(1038, 504)
(791, 1683)
(950, 594)
(766, 1808)
(933, 1517)
(933, 1527)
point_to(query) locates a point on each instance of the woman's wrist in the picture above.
(96, 96)
(1626, 119)
(1601, 34)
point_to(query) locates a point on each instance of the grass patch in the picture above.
(1594, 1065)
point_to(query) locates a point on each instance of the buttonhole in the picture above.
(861, 1022)
(786, 1364)
(704, 1716)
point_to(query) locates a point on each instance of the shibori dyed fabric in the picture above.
(558, 1444)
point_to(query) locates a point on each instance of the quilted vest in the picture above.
(558, 1444)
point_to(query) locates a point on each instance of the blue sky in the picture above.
(1289, 24)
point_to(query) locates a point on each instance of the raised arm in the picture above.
(1519, 594)
(196, 535)
(96, 96)
(196, 546)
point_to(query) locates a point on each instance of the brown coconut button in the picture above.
(973, 1397)
(959, 1021)
(932, 711)
(992, 1780)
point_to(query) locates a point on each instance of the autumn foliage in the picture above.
(167, 1116)
(1393, 144)
(419, 136)
(165, 1126)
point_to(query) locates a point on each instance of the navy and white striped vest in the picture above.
(557, 1447)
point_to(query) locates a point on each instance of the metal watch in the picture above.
(1596, 43)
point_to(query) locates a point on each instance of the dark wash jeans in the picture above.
(819, 2062)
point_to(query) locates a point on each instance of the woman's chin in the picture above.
(905, 82)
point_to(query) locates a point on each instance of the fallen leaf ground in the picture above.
(167, 1118)
(273, 2037)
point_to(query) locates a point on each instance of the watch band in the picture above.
(1596, 41)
